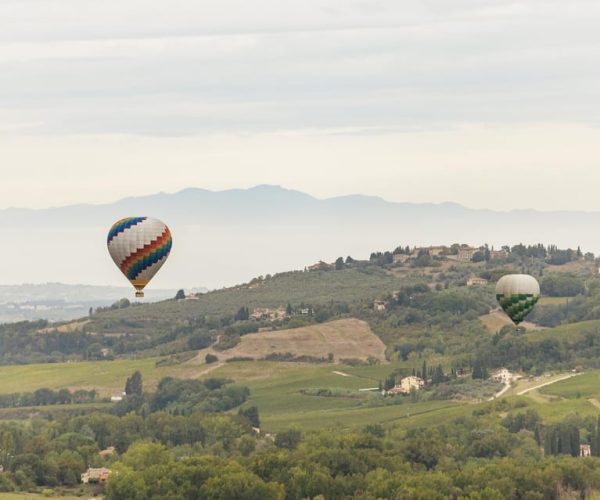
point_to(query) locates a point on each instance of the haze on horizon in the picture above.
(491, 104)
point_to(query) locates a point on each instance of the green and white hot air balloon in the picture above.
(517, 294)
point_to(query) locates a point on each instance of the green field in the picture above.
(107, 377)
(569, 331)
(585, 386)
(275, 388)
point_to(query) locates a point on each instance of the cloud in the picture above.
(417, 101)
(185, 68)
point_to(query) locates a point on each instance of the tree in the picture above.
(133, 386)
(479, 370)
(390, 382)
(240, 484)
(289, 439)
(478, 256)
(288, 309)
(243, 314)
(210, 358)
(251, 414)
(180, 295)
(438, 376)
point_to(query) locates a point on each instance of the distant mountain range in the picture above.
(228, 237)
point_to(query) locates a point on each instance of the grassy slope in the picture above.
(583, 386)
(571, 331)
(107, 377)
(348, 285)
(275, 390)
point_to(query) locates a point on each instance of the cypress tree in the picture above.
(537, 435)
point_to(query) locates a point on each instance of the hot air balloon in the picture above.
(517, 294)
(139, 246)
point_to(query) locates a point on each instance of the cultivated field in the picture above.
(585, 386)
(344, 338)
(107, 377)
(495, 320)
(547, 301)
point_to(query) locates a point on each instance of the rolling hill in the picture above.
(344, 339)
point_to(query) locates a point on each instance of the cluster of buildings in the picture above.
(98, 474)
(503, 375)
(321, 266)
(95, 475)
(268, 314)
(476, 281)
(465, 253)
(276, 314)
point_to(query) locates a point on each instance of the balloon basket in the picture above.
(139, 295)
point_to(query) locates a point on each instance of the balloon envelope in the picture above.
(139, 247)
(517, 294)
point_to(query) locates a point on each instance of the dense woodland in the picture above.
(162, 454)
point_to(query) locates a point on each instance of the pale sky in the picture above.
(488, 103)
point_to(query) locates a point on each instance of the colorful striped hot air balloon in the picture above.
(139, 246)
(517, 294)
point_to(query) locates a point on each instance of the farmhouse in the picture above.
(503, 375)
(476, 281)
(267, 314)
(379, 305)
(412, 382)
(400, 258)
(406, 385)
(585, 450)
(193, 296)
(321, 266)
(465, 254)
(95, 475)
(393, 391)
(498, 254)
(434, 251)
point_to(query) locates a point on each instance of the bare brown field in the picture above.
(546, 301)
(344, 338)
(574, 266)
(495, 320)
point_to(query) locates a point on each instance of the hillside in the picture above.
(361, 283)
(343, 339)
(317, 361)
